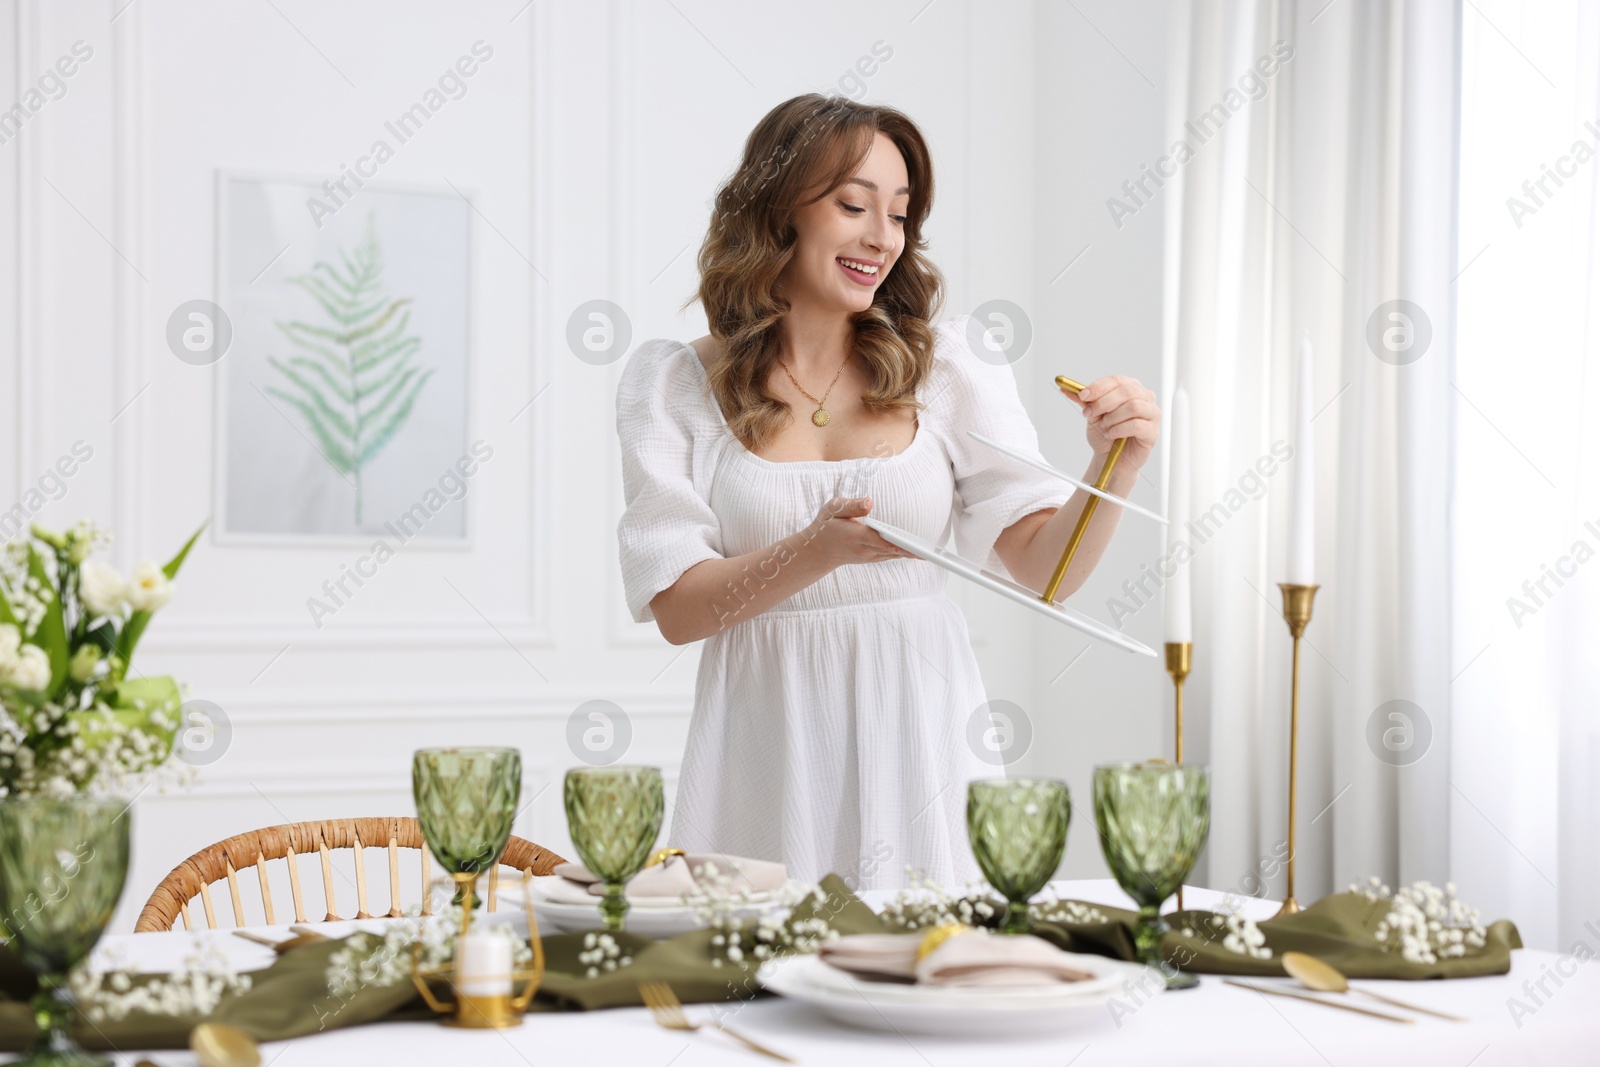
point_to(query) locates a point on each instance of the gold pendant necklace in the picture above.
(820, 416)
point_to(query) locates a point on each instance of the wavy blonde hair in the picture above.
(801, 143)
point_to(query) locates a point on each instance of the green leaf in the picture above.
(374, 327)
(13, 696)
(336, 308)
(316, 331)
(337, 363)
(6, 614)
(314, 395)
(394, 423)
(381, 379)
(333, 450)
(325, 419)
(128, 638)
(171, 569)
(51, 634)
(403, 348)
(311, 366)
(378, 410)
(103, 637)
(156, 694)
(364, 350)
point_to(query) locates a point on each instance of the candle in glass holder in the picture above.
(483, 964)
(1302, 510)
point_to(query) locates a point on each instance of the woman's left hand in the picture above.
(1119, 408)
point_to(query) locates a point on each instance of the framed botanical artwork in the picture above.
(342, 396)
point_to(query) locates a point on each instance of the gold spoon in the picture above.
(1324, 977)
(217, 1045)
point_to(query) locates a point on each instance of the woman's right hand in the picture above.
(843, 540)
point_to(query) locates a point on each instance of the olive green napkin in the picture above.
(1339, 929)
(291, 997)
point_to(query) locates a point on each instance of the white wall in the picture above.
(591, 144)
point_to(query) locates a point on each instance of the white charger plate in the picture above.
(560, 909)
(972, 1012)
(931, 552)
(1121, 502)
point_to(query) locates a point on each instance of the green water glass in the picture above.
(1018, 831)
(466, 802)
(613, 817)
(1153, 820)
(62, 866)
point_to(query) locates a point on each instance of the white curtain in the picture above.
(1306, 210)
(1525, 826)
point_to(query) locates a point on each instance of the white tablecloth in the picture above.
(1214, 1024)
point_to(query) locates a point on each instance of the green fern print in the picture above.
(357, 378)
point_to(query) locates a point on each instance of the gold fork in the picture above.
(668, 1012)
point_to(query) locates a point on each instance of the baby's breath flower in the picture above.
(1424, 923)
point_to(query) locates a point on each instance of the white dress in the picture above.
(829, 732)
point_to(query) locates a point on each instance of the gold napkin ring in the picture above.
(660, 855)
(938, 936)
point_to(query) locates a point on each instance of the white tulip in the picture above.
(10, 641)
(30, 670)
(101, 588)
(150, 588)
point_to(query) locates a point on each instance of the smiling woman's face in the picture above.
(860, 222)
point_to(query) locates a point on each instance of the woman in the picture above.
(837, 681)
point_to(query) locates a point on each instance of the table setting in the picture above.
(1017, 959)
(635, 950)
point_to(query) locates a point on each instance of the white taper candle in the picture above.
(1303, 512)
(1179, 621)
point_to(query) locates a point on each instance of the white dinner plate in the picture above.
(1004, 586)
(970, 1012)
(1122, 502)
(1108, 975)
(561, 907)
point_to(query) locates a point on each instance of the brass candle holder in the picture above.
(1178, 657)
(1179, 654)
(1297, 613)
(1089, 506)
(497, 1011)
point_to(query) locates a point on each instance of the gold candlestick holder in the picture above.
(1178, 657)
(1297, 613)
(495, 1011)
(1049, 596)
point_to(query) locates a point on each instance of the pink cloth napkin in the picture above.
(974, 958)
(676, 875)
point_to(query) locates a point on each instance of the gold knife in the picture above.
(1318, 1000)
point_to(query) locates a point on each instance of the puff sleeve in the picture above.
(666, 526)
(992, 490)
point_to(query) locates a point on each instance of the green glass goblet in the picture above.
(466, 801)
(613, 816)
(62, 866)
(1153, 819)
(1018, 831)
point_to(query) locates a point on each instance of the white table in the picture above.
(1214, 1024)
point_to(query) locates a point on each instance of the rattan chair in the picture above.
(223, 860)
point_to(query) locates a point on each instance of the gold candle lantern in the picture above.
(1297, 613)
(497, 1011)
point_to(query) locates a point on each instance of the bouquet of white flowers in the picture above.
(71, 721)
